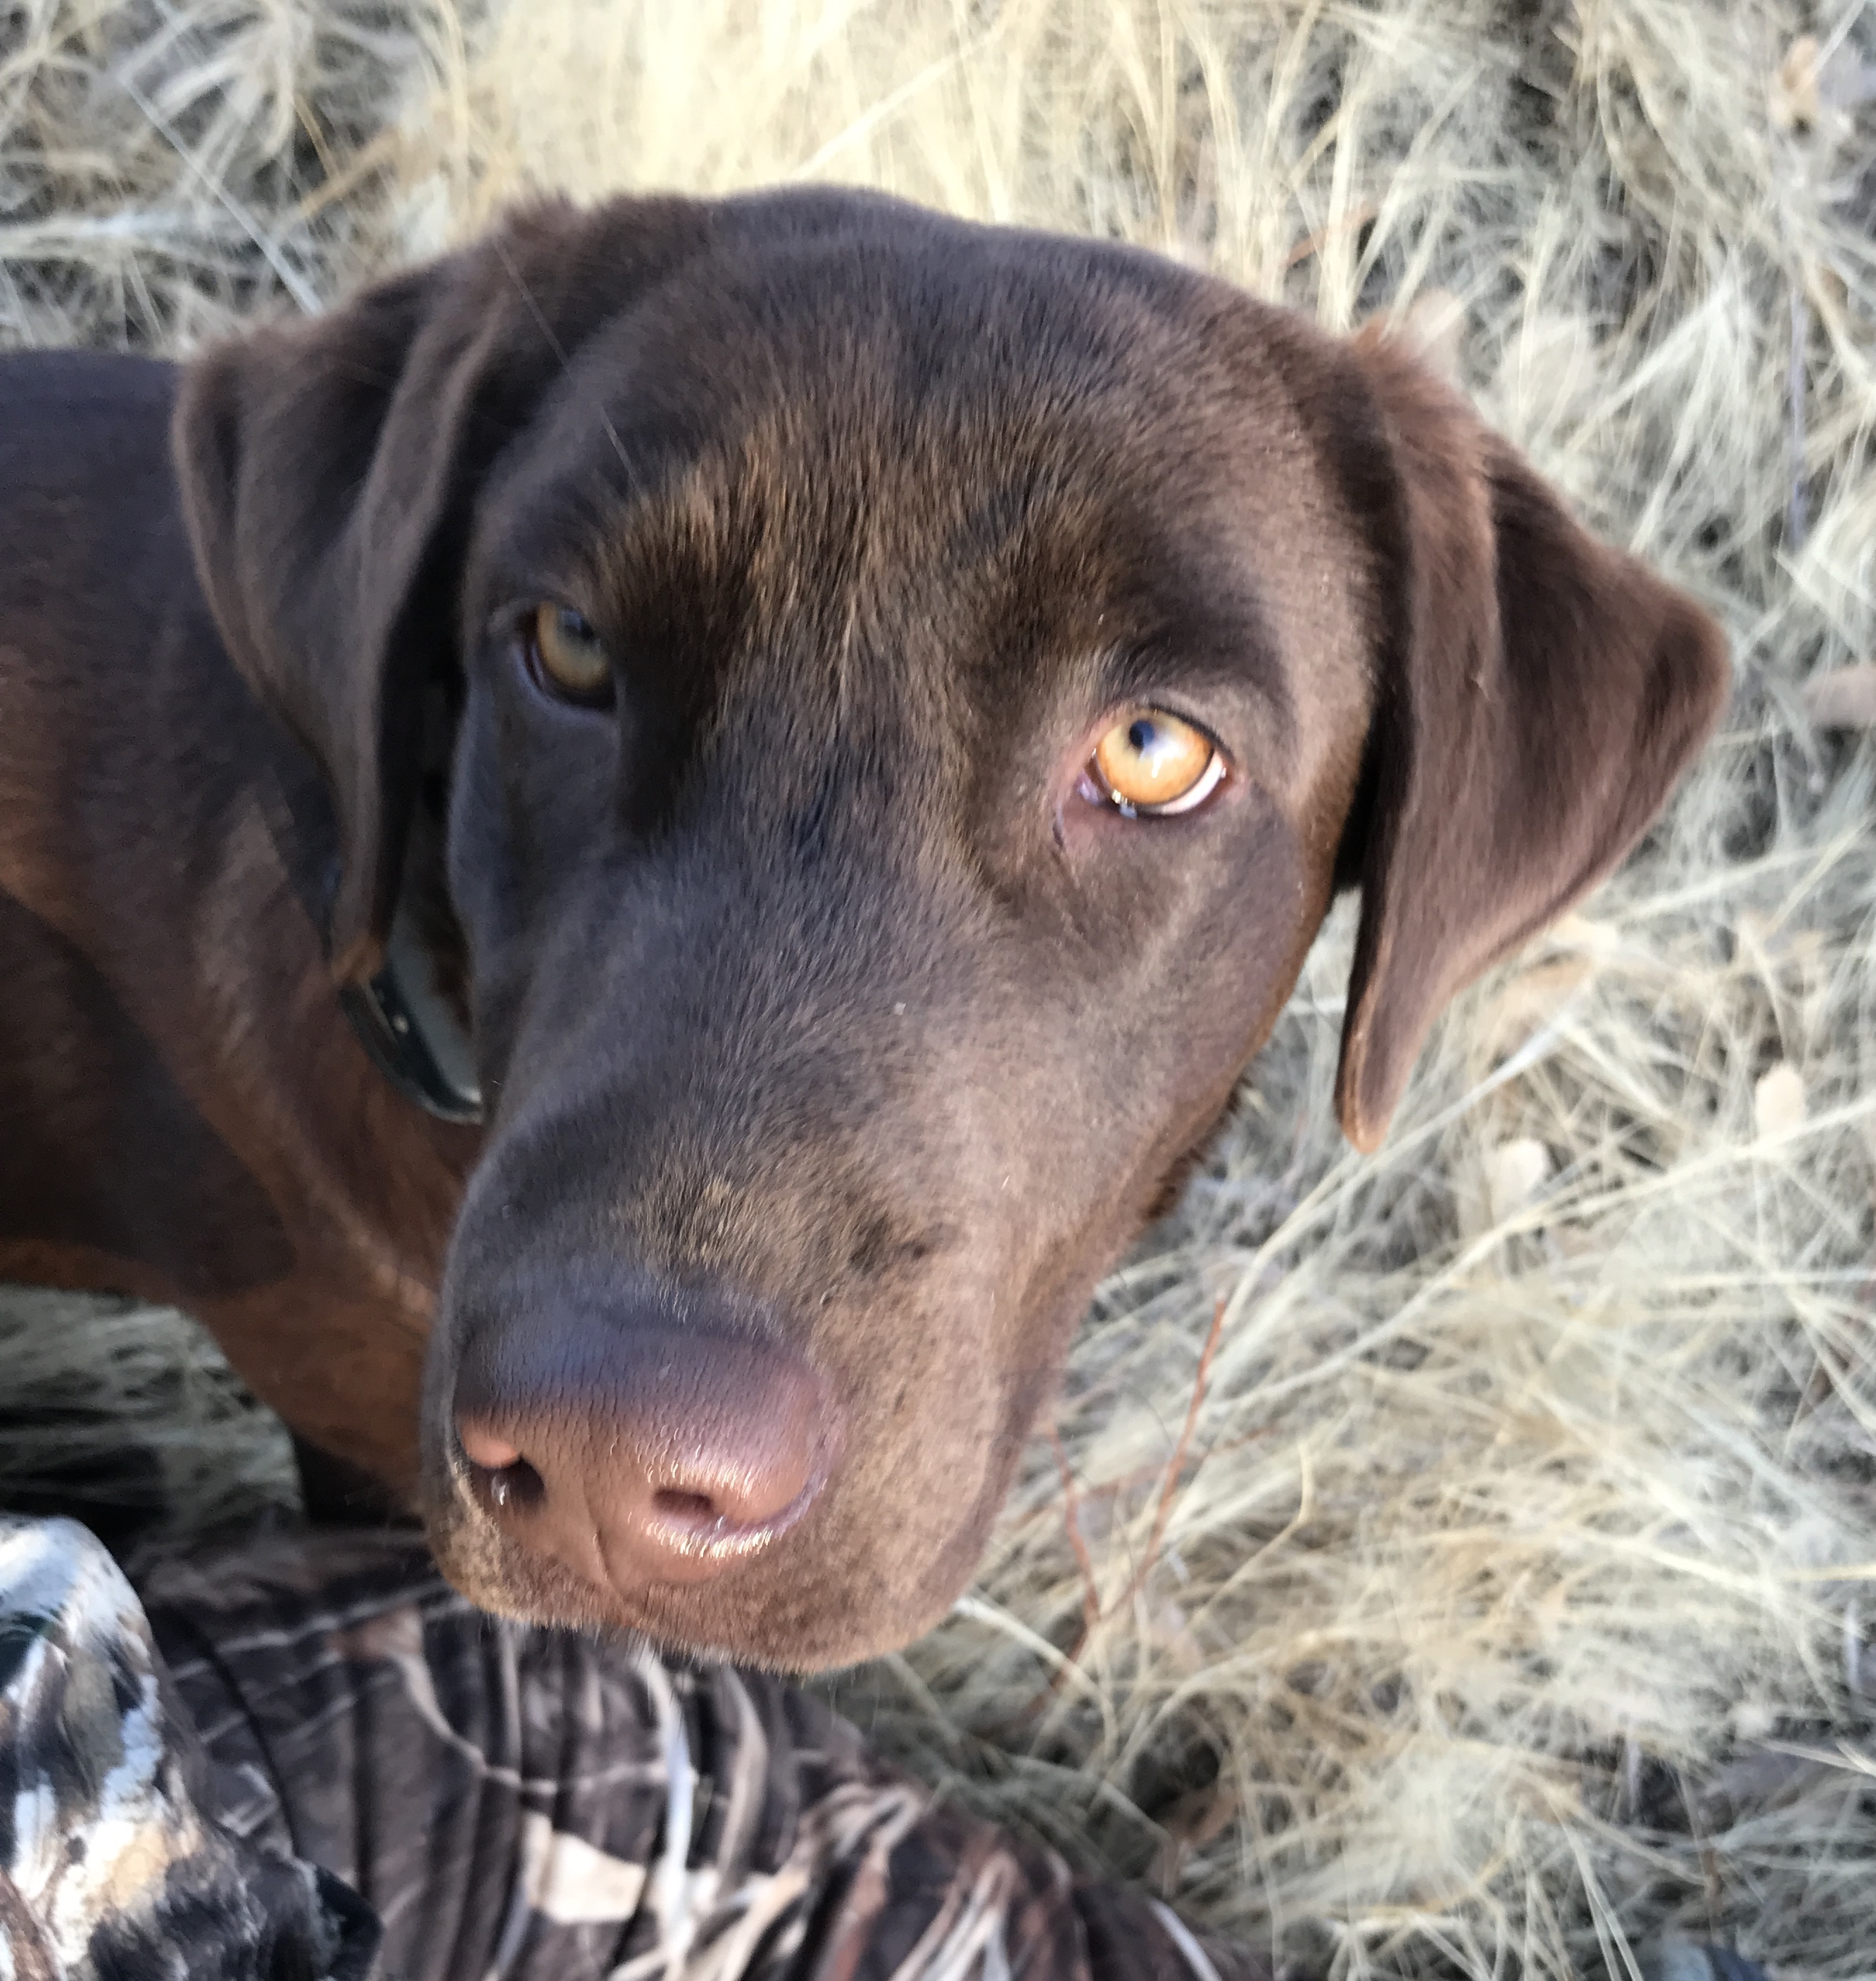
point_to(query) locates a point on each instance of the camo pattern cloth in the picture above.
(108, 1865)
(309, 1759)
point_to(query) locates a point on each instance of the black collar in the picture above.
(405, 1025)
(411, 1033)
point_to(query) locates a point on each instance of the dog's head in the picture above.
(913, 690)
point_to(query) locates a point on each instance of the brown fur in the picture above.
(835, 1045)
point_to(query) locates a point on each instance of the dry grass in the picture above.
(1464, 1560)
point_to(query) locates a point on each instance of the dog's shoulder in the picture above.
(53, 388)
(84, 445)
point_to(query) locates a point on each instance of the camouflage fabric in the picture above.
(109, 1866)
(310, 1755)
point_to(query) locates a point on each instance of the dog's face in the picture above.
(914, 690)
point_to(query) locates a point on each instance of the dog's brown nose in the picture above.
(657, 1457)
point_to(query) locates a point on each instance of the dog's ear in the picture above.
(1537, 694)
(329, 470)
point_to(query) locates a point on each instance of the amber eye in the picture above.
(1154, 764)
(569, 659)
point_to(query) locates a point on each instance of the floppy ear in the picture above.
(1537, 694)
(329, 470)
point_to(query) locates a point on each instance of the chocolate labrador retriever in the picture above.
(859, 716)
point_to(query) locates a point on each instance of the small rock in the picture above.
(1515, 1173)
(1844, 698)
(1796, 103)
(1778, 1102)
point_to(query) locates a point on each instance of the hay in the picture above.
(1502, 1598)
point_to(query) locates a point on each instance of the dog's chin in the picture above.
(751, 1615)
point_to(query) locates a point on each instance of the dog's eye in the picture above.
(1152, 764)
(567, 658)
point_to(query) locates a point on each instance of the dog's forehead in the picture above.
(912, 436)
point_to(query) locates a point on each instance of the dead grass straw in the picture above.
(1490, 1593)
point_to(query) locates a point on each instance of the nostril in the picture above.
(514, 1486)
(684, 1505)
